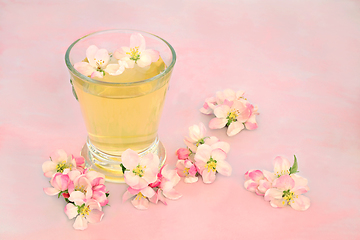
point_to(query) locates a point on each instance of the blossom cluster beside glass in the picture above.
(147, 183)
(204, 156)
(83, 190)
(231, 110)
(100, 61)
(282, 187)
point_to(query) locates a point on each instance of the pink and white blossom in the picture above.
(196, 136)
(187, 170)
(169, 178)
(80, 189)
(61, 162)
(137, 52)
(59, 182)
(142, 196)
(98, 63)
(287, 190)
(140, 171)
(231, 114)
(209, 161)
(84, 211)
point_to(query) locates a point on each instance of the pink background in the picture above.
(298, 60)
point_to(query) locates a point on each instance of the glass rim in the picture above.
(78, 74)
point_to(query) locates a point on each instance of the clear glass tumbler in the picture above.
(120, 115)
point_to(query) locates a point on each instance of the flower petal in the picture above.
(256, 175)
(130, 159)
(154, 55)
(284, 182)
(251, 124)
(172, 194)
(190, 179)
(278, 203)
(140, 203)
(203, 153)
(131, 178)
(137, 40)
(208, 176)
(84, 68)
(281, 164)
(80, 223)
(51, 191)
(301, 203)
(218, 154)
(235, 128)
(222, 145)
(144, 61)
(71, 210)
(223, 168)
(114, 69)
(148, 192)
(95, 216)
(90, 54)
(273, 193)
(222, 111)
(49, 168)
(217, 123)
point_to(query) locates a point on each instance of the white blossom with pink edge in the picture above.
(282, 187)
(196, 136)
(61, 162)
(60, 183)
(233, 115)
(221, 96)
(142, 196)
(209, 161)
(85, 211)
(140, 172)
(98, 63)
(287, 190)
(137, 52)
(187, 170)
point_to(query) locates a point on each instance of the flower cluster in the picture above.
(146, 181)
(83, 190)
(231, 110)
(100, 61)
(282, 187)
(204, 156)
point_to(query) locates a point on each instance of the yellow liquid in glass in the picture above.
(127, 116)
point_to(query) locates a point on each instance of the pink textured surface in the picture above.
(298, 60)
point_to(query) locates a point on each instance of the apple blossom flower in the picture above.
(60, 162)
(137, 52)
(97, 181)
(183, 153)
(287, 190)
(98, 63)
(142, 196)
(196, 136)
(209, 105)
(232, 115)
(209, 161)
(214, 142)
(187, 170)
(60, 183)
(169, 178)
(140, 172)
(79, 189)
(85, 211)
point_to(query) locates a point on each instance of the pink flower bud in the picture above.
(183, 153)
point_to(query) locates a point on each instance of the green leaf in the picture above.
(59, 194)
(107, 194)
(122, 168)
(294, 168)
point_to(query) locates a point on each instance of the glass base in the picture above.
(109, 165)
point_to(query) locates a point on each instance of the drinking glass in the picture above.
(120, 115)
